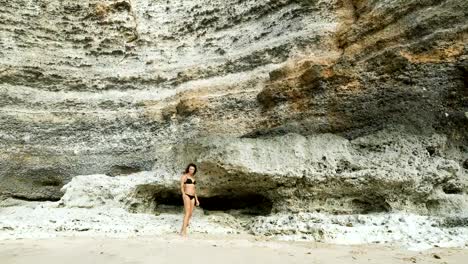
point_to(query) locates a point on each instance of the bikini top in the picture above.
(189, 181)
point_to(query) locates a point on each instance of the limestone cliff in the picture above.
(342, 106)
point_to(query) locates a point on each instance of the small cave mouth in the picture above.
(367, 206)
(452, 189)
(242, 203)
(431, 150)
(168, 201)
(35, 199)
(433, 205)
(154, 199)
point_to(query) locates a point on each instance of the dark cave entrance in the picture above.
(165, 200)
(371, 205)
(168, 201)
(244, 203)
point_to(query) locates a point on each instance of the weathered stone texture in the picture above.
(343, 106)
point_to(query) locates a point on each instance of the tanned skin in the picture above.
(188, 204)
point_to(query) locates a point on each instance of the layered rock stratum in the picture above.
(295, 111)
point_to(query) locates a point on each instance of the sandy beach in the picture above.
(207, 249)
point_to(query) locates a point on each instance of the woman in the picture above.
(189, 196)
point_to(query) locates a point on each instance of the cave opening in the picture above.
(165, 200)
(245, 204)
(242, 203)
(370, 205)
(168, 201)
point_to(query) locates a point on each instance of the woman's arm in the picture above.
(182, 180)
(196, 199)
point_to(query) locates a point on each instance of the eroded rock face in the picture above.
(144, 204)
(391, 170)
(87, 87)
(335, 106)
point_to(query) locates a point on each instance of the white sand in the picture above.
(205, 249)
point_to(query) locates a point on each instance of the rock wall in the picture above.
(341, 106)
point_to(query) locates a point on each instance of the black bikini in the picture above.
(189, 181)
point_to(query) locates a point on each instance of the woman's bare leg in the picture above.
(183, 230)
(192, 205)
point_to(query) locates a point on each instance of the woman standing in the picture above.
(189, 196)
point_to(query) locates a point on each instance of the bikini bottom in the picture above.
(190, 196)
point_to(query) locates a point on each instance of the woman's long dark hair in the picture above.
(191, 165)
